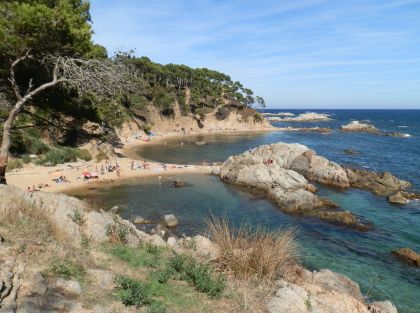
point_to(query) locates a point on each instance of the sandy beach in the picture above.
(35, 175)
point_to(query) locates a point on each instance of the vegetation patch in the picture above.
(248, 252)
(14, 164)
(60, 154)
(65, 268)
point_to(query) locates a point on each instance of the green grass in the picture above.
(60, 267)
(172, 280)
(144, 256)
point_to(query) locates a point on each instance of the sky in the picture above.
(295, 54)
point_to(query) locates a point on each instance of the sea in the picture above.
(365, 257)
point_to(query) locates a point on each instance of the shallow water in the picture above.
(365, 257)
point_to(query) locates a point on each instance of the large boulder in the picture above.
(170, 220)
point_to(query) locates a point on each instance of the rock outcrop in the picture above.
(282, 172)
(383, 184)
(408, 256)
(356, 126)
(304, 117)
(24, 290)
(322, 291)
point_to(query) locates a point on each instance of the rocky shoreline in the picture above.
(284, 172)
(304, 117)
(359, 127)
(324, 290)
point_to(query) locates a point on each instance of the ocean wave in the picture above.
(402, 126)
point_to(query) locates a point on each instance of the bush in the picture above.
(14, 164)
(117, 232)
(24, 217)
(248, 252)
(199, 275)
(133, 292)
(61, 155)
(258, 118)
(101, 156)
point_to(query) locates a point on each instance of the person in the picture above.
(182, 144)
(118, 172)
(29, 189)
(102, 170)
(132, 165)
(169, 178)
(160, 179)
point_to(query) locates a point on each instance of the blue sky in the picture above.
(296, 54)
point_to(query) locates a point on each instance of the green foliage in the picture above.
(66, 268)
(77, 218)
(199, 275)
(133, 292)
(84, 241)
(14, 164)
(156, 307)
(60, 154)
(258, 118)
(145, 255)
(45, 26)
(28, 142)
(147, 128)
(117, 232)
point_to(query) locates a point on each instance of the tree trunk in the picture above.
(5, 144)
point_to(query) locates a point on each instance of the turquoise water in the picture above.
(365, 257)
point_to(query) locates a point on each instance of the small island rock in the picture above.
(356, 126)
(407, 255)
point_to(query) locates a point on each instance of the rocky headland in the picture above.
(25, 286)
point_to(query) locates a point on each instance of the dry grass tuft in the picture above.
(248, 253)
(20, 216)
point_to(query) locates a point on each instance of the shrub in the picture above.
(66, 269)
(61, 155)
(247, 252)
(117, 232)
(133, 292)
(14, 164)
(199, 275)
(24, 217)
(258, 118)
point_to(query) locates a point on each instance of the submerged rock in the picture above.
(282, 172)
(408, 256)
(351, 152)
